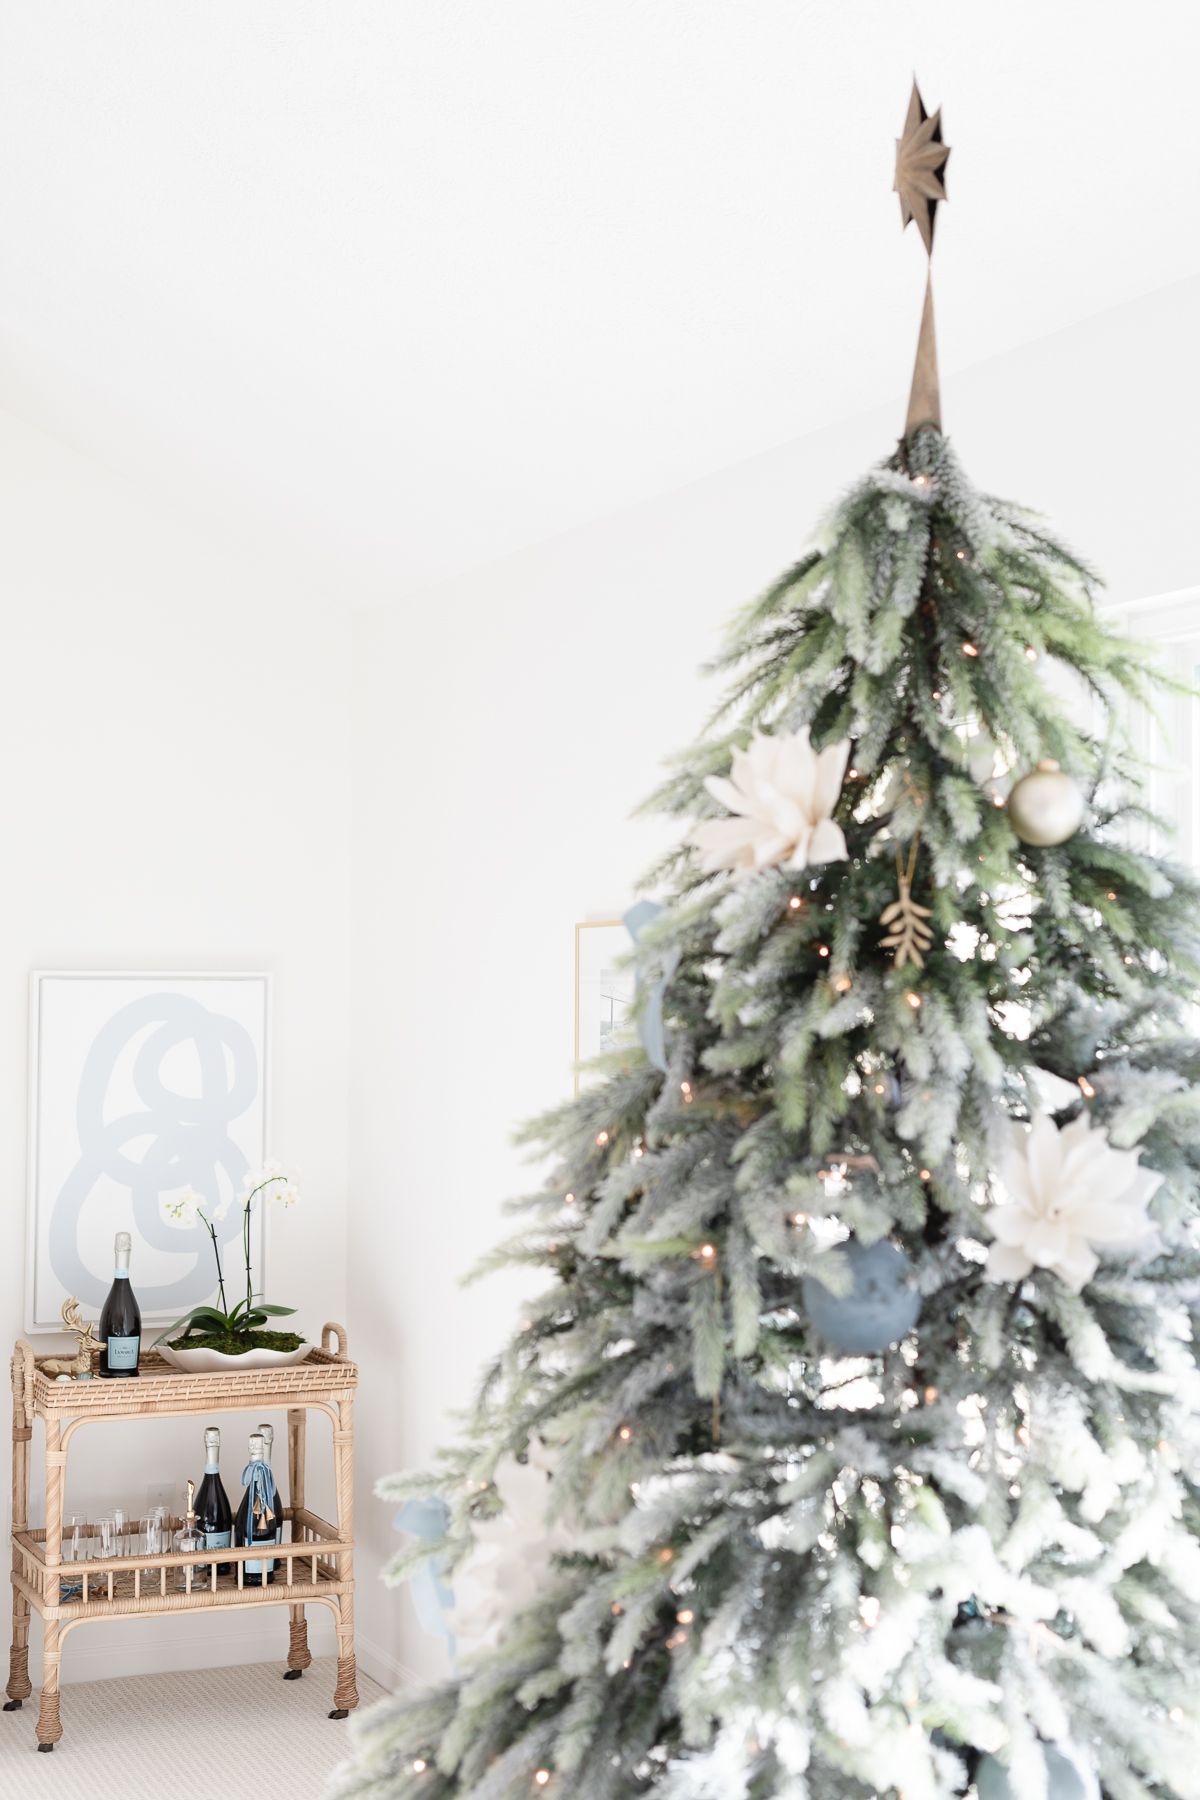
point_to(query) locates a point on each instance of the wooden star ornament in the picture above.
(921, 159)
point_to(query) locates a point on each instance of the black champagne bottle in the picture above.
(258, 1515)
(120, 1318)
(214, 1515)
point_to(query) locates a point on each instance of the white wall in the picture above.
(508, 723)
(174, 740)
(404, 815)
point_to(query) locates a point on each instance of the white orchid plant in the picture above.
(241, 1327)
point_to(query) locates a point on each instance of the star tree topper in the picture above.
(921, 159)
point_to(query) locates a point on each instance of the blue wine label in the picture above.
(217, 1540)
(122, 1353)
(260, 1568)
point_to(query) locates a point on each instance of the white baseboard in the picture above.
(382, 1666)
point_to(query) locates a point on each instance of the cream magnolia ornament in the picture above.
(1069, 1196)
(1046, 807)
(781, 792)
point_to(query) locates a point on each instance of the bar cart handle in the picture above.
(23, 1372)
(328, 1333)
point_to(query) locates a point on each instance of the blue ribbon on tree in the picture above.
(429, 1519)
(257, 1477)
(651, 993)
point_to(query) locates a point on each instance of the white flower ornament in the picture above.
(781, 793)
(1070, 1195)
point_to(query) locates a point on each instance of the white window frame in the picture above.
(1168, 740)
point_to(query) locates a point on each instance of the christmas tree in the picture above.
(865, 1369)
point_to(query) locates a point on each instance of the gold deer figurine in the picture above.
(81, 1362)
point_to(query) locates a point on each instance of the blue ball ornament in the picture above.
(1068, 1776)
(881, 1306)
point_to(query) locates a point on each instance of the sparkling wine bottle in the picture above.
(120, 1318)
(258, 1515)
(267, 1433)
(214, 1515)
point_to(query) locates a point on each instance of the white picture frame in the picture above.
(141, 1084)
(604, 990)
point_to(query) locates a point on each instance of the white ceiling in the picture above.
(401, 285)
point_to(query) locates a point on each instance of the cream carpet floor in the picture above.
(200, 1735)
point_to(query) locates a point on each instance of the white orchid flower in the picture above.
(273, 1181)
(1070, 1197)
(181, 1209)
(781, 793)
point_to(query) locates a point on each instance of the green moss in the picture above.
(237, 1343)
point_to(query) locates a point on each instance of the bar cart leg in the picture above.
(19, 1685)
(49, 1725)
(49, 1728)
(345, 1696)
(299, 1656)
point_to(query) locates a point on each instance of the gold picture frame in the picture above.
(603, 993)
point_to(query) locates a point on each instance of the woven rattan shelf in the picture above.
(313, 1564)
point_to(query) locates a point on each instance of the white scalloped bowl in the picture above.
(203, 1361)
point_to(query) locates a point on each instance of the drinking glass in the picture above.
(76, 1548)
(121, 1545)
(106, 1536)
(150, 1539)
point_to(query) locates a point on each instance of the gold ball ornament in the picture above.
(1045, 806)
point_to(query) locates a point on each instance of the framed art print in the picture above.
(604, 988)
(140, 1086)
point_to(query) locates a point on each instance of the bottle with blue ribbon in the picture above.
(268, 1438)
(259, 1515)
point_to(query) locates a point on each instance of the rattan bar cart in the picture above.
(313, 1565)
